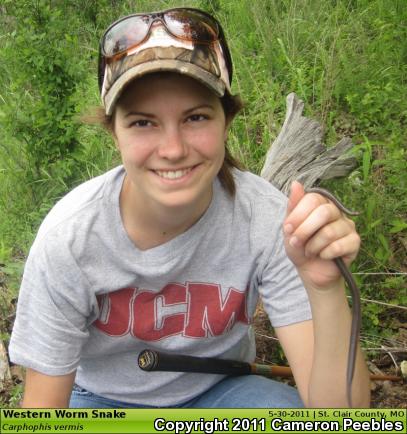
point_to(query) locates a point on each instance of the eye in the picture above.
(141, 123)
(197, 117)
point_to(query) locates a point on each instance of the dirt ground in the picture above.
(384, 394)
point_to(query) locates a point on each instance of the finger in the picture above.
(313, 222)
(301, 212)
(296, 194)
(346, 247)
(302, 209)
(327, 235)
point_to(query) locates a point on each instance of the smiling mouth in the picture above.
(173, 174)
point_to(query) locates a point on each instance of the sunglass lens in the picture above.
(191, 25)
(125, 34)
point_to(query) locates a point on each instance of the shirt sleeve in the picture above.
(284, 297)
(54, 309)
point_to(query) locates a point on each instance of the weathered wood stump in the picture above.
(299, 154)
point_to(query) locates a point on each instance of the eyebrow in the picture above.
(200, 106)
(143, 114)
(151, 115)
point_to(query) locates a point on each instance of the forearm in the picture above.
(47, 391)
(332, 324)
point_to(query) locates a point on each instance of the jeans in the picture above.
(249, 391)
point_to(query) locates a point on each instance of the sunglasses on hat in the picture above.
(182, 23)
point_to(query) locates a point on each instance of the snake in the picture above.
(355, 296)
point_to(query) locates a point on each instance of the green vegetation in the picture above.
(345, 58)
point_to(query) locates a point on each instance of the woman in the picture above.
(171, 250)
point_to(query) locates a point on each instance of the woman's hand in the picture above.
(315, 232)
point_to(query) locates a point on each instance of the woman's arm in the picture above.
(316, 232)
(45, 391)
(319, 364)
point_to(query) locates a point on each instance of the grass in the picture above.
(346, 59)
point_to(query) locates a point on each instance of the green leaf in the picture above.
(398, 226)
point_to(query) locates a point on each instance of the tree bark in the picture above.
(299, 154)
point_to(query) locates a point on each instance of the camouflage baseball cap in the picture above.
(162, 52)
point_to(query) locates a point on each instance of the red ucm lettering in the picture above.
(194, 310)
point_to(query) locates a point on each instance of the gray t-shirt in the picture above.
(91, 301)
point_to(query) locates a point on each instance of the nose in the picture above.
(172, 145)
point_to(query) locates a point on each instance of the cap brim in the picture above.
(209, 80)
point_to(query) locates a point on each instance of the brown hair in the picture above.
(232, 105)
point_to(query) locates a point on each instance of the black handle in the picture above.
(150, 360)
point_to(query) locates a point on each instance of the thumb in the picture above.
(296, 194)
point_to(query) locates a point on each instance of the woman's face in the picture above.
(170, 131)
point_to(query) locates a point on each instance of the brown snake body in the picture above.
(355, 294)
